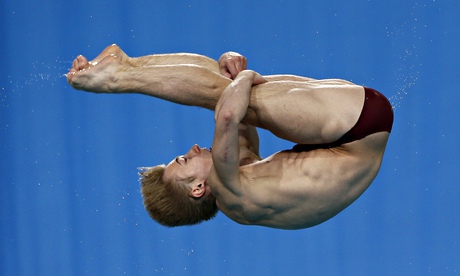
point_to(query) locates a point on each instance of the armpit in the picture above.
(246, 161)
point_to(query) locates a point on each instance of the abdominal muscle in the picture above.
(291, 190)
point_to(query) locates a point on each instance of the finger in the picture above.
(232, 67)
(228, 68)
(240, 65)
(224, 72)
(228, 74)
(258, 79)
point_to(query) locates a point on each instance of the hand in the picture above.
(258, 79)
(231, 63)
(253, 76)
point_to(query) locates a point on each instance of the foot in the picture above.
(100, 74)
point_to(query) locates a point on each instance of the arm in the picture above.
(249, 138)
(230, 110)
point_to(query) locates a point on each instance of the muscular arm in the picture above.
(249, 138)
(230, 110)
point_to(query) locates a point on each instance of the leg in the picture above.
(187, 79)
(307, 112)
(314, 112)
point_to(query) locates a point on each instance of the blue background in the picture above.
(69, 197)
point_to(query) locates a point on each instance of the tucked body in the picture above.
(338, 155)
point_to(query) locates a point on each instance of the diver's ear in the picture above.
(198, 189)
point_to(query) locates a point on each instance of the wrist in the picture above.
(246, 74)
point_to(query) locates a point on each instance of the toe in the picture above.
(82, 62)
(75, 64)
(70, 74)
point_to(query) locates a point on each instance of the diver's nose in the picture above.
(194, 150)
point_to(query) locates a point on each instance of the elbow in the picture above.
(226, 117)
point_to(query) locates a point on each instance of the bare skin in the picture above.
(288, 190)
(275, 105)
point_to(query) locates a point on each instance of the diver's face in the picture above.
(195, 164)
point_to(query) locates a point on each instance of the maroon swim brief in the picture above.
(376, 116)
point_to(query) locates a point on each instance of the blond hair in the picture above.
(170, 203)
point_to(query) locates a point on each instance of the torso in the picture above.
(294, 190)
(291, 189)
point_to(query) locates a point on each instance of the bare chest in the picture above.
(298, 190)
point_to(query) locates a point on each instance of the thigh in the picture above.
(306, 112)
